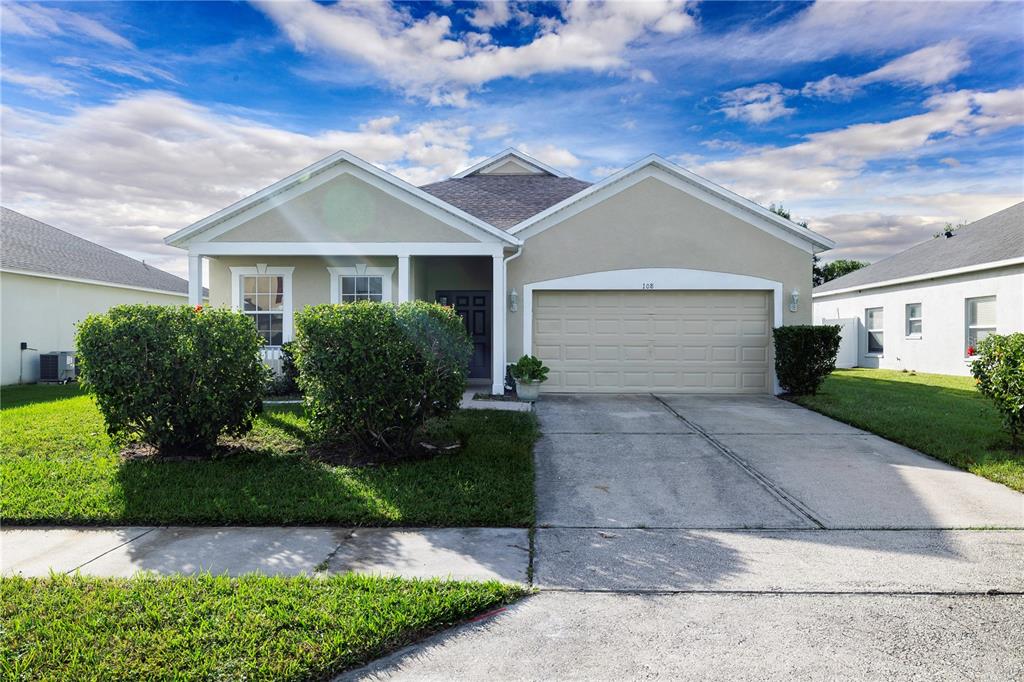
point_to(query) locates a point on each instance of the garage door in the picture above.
(638, 341)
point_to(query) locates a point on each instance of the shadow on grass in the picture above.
(33, 394)
(488, 483)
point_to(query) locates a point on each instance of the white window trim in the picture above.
(287, 333)
(361, 270)
(967, 320)
(659, 279)
(907, 319)
(867, 334)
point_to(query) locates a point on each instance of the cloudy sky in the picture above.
(875, 122)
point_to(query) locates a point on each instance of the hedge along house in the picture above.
(651, 279)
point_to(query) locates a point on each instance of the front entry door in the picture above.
(475, 309)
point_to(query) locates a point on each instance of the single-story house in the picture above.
(651, 279)
(925, 308)
(51, 279)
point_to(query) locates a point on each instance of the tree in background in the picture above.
(838, 268)
(830, 271)
(949, 230)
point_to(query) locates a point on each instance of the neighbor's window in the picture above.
(362, 288)
(873, 320)
(913, 319)
(263, 300)
(981, 319)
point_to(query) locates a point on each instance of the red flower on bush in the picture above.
(970, 351)
(199, 308)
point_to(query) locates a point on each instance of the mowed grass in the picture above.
(942, 416)
(57, 467)
(220, 628)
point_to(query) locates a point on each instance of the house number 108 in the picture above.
(646, 285)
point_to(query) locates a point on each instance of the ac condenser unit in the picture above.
(57, 367)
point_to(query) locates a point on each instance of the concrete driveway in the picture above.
(735, 462)
(723, 537)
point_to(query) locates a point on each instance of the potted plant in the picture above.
(529, 373)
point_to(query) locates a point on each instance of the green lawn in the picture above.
(943, 416)
(219, 628)
(57, 466)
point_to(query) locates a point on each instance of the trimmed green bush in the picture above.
(804, 355)
(174, 378)
(374, 373)
(999, 370)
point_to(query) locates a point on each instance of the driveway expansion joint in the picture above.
(785, 498)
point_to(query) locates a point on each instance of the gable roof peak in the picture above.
(528, 165)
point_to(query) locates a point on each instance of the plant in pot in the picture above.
(529, 373)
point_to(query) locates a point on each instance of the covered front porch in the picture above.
(271, 282)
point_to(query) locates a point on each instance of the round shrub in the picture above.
(999, 369)
(373, 373)
(804, 356)
(173, 377)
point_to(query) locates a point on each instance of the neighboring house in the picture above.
(50, 280)
(924, 308)
(652, 279)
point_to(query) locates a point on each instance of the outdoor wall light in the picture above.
(513, 300)
(794, 300)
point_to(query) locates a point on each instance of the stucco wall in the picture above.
(942, 344)
(43, 313)
(345, 209)
(654, 225)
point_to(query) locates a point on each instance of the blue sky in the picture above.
(875, 122)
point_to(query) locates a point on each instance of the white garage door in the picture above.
(638, 341)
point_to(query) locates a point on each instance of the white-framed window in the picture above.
(264, 293)
(981, 320)
(914, 320)
(874, 320)
(360, 283)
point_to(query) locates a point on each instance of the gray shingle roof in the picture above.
(27, 244)
(997, 237)
(505, 200)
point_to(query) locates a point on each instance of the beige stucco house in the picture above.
(651, 279)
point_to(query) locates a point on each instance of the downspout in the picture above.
(504, 293)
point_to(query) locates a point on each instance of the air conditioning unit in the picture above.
(57, 367)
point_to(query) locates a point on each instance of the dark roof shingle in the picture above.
(997, 237)
(505, 200)
(33, 246)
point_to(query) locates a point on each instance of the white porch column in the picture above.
(498, 333)
(403, 279)
(195, 279)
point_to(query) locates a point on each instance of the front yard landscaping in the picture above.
(942, 416)
(213, 628)
(57, 466)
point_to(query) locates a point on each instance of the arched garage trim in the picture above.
(655, 279)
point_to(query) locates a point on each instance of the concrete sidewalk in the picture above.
(457, 553)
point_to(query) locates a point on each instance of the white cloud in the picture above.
(423, 57)
(41, 86)
(950, 161)
(757, 104)
(823, 162)
(490, 13)
(925, 67)
(132, 171)
(133, 69)
(42, 21)
(558, 157)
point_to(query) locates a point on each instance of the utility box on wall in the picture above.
(848, 349)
